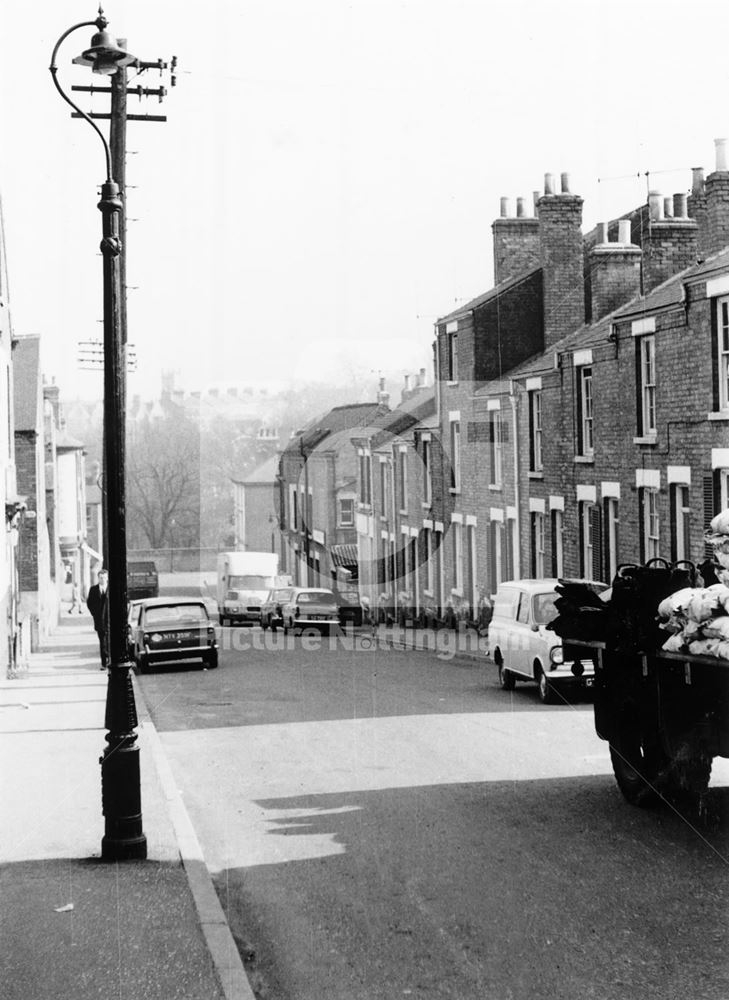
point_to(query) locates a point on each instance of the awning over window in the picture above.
(344, 555)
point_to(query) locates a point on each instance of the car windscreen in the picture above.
(543, 608)
(174, 614)
(282, 595)
(249, 582)
(316, 597)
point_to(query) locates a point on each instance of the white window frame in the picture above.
(587, 547)
(496, 448)
(647, 355)
(344, 523)
(452, 357)
(587, 444)
(457, 533)
(681, 511)
(612, 526)
(535, 429)
(402, 466)
(455, 446)
(537, 518)
(557, 519)
(722, 351)
(428, 560)
(427, 471)
(651, 526)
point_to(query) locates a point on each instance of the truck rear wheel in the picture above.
(637, 763)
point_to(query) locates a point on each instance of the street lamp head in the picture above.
(104, 55)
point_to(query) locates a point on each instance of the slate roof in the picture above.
(340, 418)
(265, 473)
(492, 293)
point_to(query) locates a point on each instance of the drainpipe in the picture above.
(517, 490)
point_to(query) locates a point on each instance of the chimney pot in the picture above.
(668, 208)
(535, 197)
(602, 232)
(720, 147)
(680, 206)
(565, 183)
(549, 183)
(382, 384)
(421, 377)
(520, 213)
(697, 180)
(624, 231)
(408, 383)
(655, 206)
(504, 211)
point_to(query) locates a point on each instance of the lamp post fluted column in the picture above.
(120, 773)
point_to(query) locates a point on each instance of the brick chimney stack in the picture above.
(614, 271)
(562, 260)
(516, 242)
(717, 202)
(671, 244)
(697, 209)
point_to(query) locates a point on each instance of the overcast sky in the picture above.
(325, 185)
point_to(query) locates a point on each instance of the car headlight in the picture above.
(556, 656)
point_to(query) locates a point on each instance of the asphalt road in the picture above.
(386, 824)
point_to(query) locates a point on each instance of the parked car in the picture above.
(271, 614)
(521, 646)
(312, 607)
(142, 580)
(350, 605)
(170, 629)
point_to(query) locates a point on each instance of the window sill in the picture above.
(426, 506)
(454, 490)
(718, 415)
(584, 459)
(536, 475)
(457, 591)
(403, 512)
(428, 593)
(496, 486)
(649, 439)
(449, 382)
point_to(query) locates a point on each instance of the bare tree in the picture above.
(163, 482)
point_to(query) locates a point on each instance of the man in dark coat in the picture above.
(97, 601)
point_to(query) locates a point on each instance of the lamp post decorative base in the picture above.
(121, 797)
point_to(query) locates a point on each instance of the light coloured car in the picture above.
(523, 649)
(310, 607)
(170, 629)
(271, 616)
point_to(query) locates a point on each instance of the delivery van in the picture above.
(244, 580)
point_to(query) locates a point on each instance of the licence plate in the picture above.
(182, 635)
(588, 681)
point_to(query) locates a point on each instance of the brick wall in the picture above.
(671, 246)
(516, 247)
(561, 248)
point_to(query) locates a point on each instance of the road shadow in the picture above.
(523, 891)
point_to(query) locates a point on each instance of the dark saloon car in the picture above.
(142, 580)
(171, 629)
(271, 614)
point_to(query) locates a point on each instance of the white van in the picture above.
(521, 646)
(244, 581)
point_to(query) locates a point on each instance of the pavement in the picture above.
(73, 926)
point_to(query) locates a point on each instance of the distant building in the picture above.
(256, 521)
(39, 597)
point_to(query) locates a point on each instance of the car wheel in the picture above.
(211, 660)
(546, 690)
(507, 681)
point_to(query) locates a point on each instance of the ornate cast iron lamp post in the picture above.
(120, 776)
